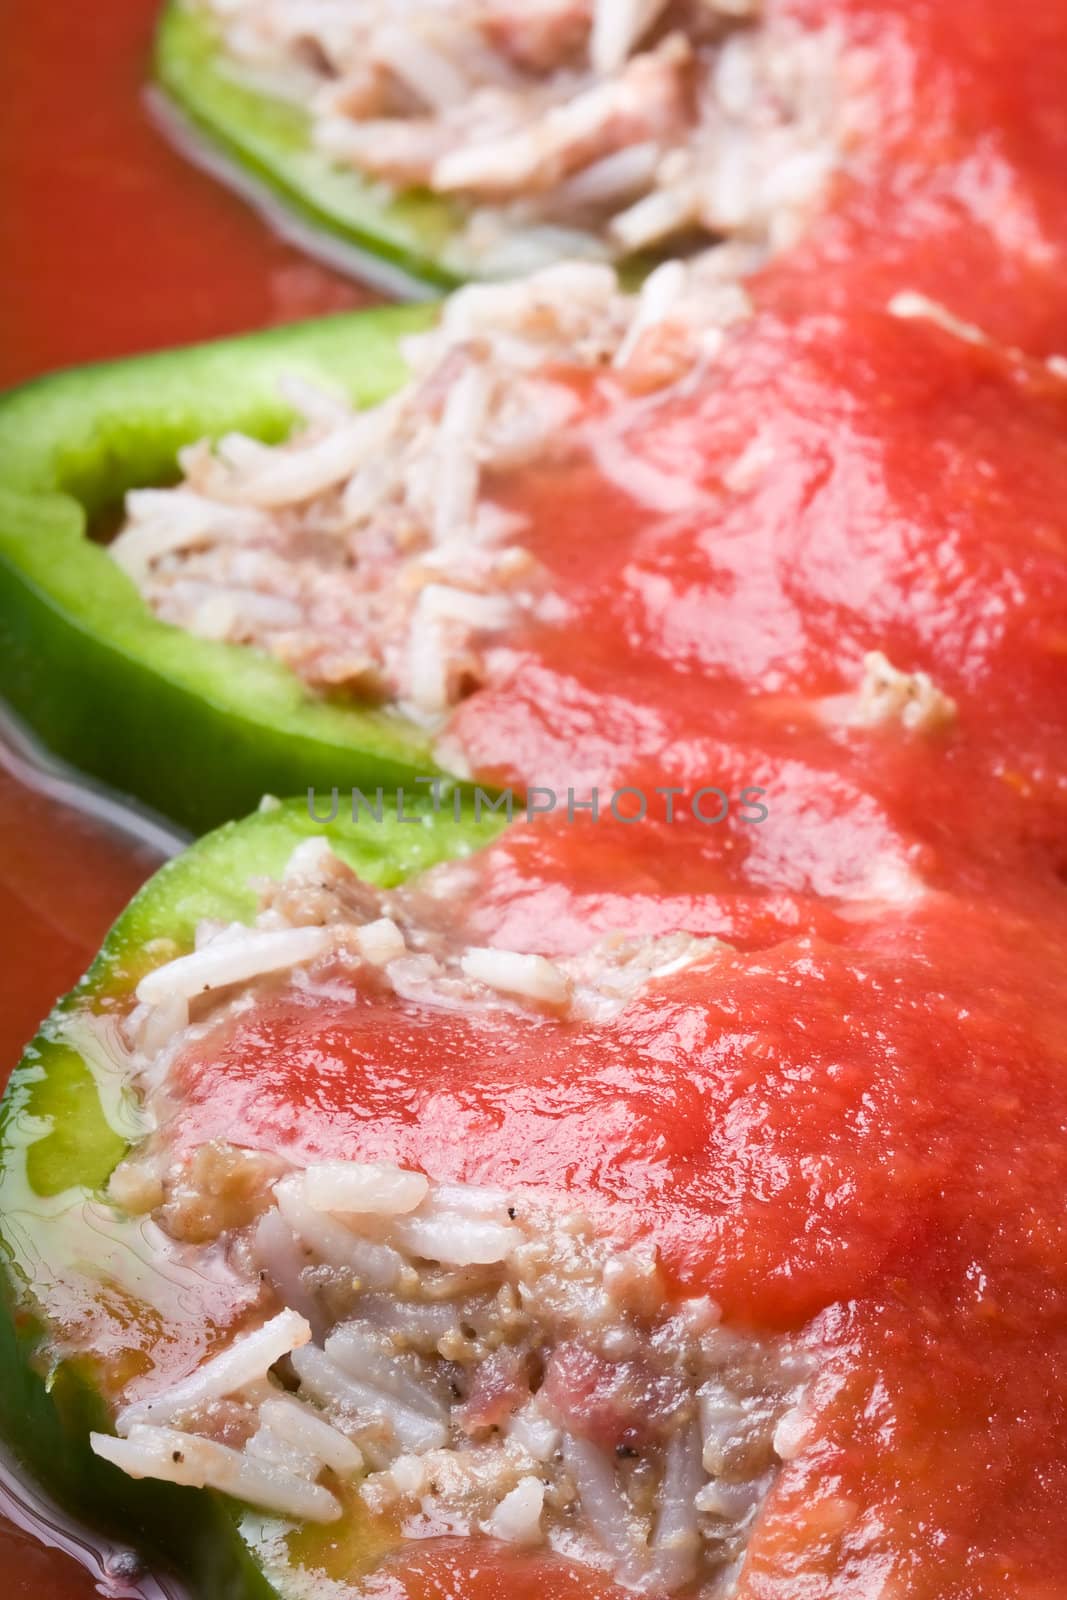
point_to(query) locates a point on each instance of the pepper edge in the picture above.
(48, 1407)
(196, 729)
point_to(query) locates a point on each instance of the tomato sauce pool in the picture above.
(111, 241)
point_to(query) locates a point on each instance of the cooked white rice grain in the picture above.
(517, 1519)
(378, 1265)
(223, 963)
(457, 1241)
(366, 1405)
(247, 1359)
(531, 976)
(371, 1358)
(185, 1458)
(266, 1445)
(675, 1553)
(290, 1419)
(912, 306)
(606, 1508)
(363, 1186)
(381, 941)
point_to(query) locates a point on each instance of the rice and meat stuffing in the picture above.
(467, 1359)
(569, 127)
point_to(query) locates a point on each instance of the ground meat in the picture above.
(219, 1190)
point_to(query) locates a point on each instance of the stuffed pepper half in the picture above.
(372, 1229)
(365, 1352)
(308, 613)
(471, 140)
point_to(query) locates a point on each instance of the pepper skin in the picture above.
(197, 729)
(63, 1128)
(266, 144)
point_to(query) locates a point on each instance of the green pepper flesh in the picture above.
(268, 140)
(197, 729)
(58, 1146)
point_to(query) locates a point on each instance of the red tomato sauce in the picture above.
(902, 496)
(52, 938)
(447, 1569)
(866, 1132)
(958, 176)
(111, 241)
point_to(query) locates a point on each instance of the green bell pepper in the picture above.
(63, 1128)
(197, 729)
(268, 141)
(263, 144)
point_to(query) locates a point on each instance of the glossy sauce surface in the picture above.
(960, 166)
(112, 242)
(843, 484)
(864, 1131)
